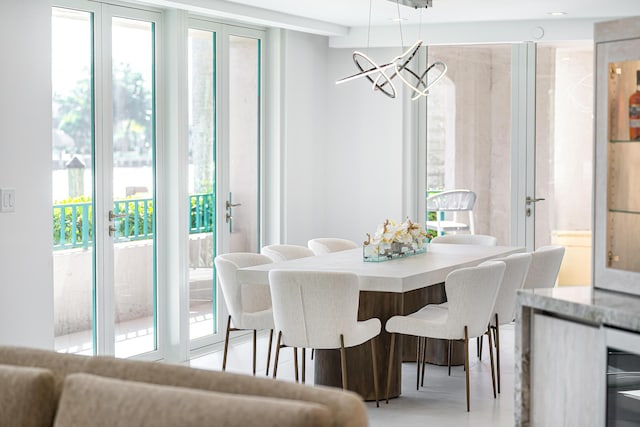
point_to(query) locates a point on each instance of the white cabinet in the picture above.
(568, 373)
(616, 245)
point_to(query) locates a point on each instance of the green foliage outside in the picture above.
(78, 204)
(132, 112)
(201, 211)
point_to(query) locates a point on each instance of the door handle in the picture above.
(228, 216)
(113, 216)
(230, 205)
(531, 200)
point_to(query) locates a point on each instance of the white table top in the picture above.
(399, 275)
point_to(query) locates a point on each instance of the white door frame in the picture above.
(523, 138)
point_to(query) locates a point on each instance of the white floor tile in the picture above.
(440, 403)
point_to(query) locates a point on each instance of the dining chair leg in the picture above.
(393, 342)
(275, 362)
(493, 373)
(375, 369)
(255, 340)
(418, 353)
(343, 362)
(449, 356)
(304, 363)
(295, 361)
(226, 345)
(497, 342)
(424, 360)
(269, 350)
(466, 362)
(494, 334)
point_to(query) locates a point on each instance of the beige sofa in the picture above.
(44, 388)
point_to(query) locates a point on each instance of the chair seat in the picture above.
(256, 320)
(362, 333)
(448, 225)
(430, 321)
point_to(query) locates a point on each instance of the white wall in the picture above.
(304, 135)
(362, 172)
(26, 290)
(343, 145)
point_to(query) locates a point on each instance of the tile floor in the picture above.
(440, 403)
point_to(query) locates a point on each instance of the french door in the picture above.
(514, 124)
(225, 145)
(104, 180)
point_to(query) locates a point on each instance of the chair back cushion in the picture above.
(471, 294)
(516, 267)
(241, 298)
(545, 266)
(313, 308)
(325, 245)
(279, 253)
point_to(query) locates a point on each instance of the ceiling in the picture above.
(355, 13)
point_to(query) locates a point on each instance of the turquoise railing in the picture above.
(73, 222)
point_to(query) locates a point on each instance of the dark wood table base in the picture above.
(384, 305)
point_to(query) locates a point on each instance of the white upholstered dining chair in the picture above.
(544, 268)
(471, 294)
(279, 253)
(319, 310)
(516, 267)
(249, 306)
(325, 245)
(466, 239)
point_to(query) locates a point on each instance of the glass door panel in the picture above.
(202, 183)
(468, 131)
(564, 155)
(243, 203)
(623, 201)
(133, 186)
(72, 161)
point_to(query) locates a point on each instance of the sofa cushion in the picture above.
(347, 408)
(58, 363)
(27, 396)
(98, 401)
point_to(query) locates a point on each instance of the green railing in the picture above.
(73, 222)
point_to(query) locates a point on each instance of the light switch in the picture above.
(7, 200)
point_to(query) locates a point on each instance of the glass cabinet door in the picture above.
(623, 175)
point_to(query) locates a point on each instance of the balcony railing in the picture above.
(73, 222)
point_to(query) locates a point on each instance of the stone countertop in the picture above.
(587, 304)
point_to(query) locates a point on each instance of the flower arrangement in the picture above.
(394, 240)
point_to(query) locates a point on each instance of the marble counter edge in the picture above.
(586, 305)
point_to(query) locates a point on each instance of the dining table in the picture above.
(398, 286)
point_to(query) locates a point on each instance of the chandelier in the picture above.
(381, 76)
